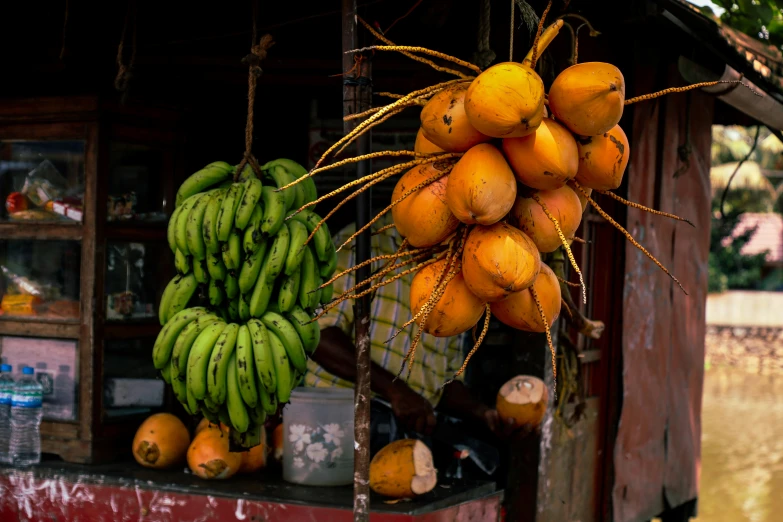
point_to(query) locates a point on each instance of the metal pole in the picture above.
(357, 97)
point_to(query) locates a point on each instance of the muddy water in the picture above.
(742, 447)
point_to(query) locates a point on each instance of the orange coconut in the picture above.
(519, 310)
(481, 186)
(444, 123)
(209, 456)
(423, 217)
(588, 98)
(523, 400)
(458, 308)
(254, 459)
(403, 469)
(546, 159)
(424, 145)
(603, 159)
(583, 200)
(506, 101)
(563, 204)
(498, 260)
(161, 441)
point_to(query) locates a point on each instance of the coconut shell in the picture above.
(523, 399)
(546, 159)
(445, 124)
(481, 186)
(519, 309)
(603, 159)
(424, 145)
(563, 204)
(499, 260)
(403, 469)
(161, 441)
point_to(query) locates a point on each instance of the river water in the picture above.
(742, 447)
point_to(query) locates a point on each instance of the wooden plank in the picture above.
(29, 327)
(130, 329)
(76, 451)
(50, 107)
(44, 130)
(41, 230)
(62, 430)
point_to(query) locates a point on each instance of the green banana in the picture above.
(194, 227)
(171, 229)
(211, 407)
(327, 269)
(215, 266)
(210, 415)
(262, 354)
(251, 195)
(298, 233)
(212, 174)
(198, 362)
(288, 335)
(246, 174)
(181, 262)
(274, 210)
(193, 406)
(262, 292)
(322, 238)
(257, 415)
(209, 223)
(246, 372)
(187, 339)
(164, 343)
(289, 291)
(268, 400)
(165, 374)
(309, 280)
(278, 250)
(317, 294)
(252, 237)
(228, 208)
(200, 271)
(326, 293)
(282, 369)
(180, 389)
(223, 415)
(218, 363)
(308, 330)
(181, 227)
(252, 436)
(165, 299)
(296, 170)
(232, 250)
(184, 290)
(243, 307)
(233, 310)
(215, 292)
(281, 177)
(231, 285)
(251, 268)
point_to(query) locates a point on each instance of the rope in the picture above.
(253, 60)
(125, 72)
(484, 55)
(511, 37)
(65, 27)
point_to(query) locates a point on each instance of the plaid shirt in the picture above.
(437, 358)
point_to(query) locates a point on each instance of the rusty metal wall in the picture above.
(657, 452)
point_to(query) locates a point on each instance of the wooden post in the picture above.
(357, 97)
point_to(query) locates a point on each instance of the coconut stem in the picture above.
(432, 64)
(389, 115)
(627, 234)
(672, 90)
(421, 50)
(375, 259)
(642, 207)
(428, 181)
(567, 308)
(384, 228)
(359, 115)
(565, 244)
(543, 39)
(548, 337)
(476, 345)
(578, 240)
(569, 283)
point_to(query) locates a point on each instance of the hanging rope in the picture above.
(125, 72)
(484, 55)
(511, 36)
(253, 61)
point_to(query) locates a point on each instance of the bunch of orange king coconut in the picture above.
(501, 173)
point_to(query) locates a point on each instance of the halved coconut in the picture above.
(523, 399)
(403, 469)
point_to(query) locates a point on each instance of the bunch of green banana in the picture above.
(238, 316)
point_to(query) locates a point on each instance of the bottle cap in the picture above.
(5, 368)
(28, 370)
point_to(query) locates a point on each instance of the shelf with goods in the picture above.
(89, 186)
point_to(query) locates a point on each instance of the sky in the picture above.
(718, 10)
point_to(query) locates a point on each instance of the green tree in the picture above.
(729, 269)
(761, 19)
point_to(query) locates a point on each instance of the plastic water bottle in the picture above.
(6, 390)
(26, 414)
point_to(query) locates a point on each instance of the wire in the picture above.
(728, 183)
(403, 16)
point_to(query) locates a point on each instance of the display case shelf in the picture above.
(41, 230)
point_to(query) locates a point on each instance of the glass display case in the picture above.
(87, 186)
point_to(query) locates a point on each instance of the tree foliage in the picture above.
(762, 19)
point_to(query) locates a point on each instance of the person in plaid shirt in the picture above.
(437, 358)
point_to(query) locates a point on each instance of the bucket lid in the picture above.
(321, 394)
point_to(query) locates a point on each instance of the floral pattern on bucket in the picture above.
(316, 447)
